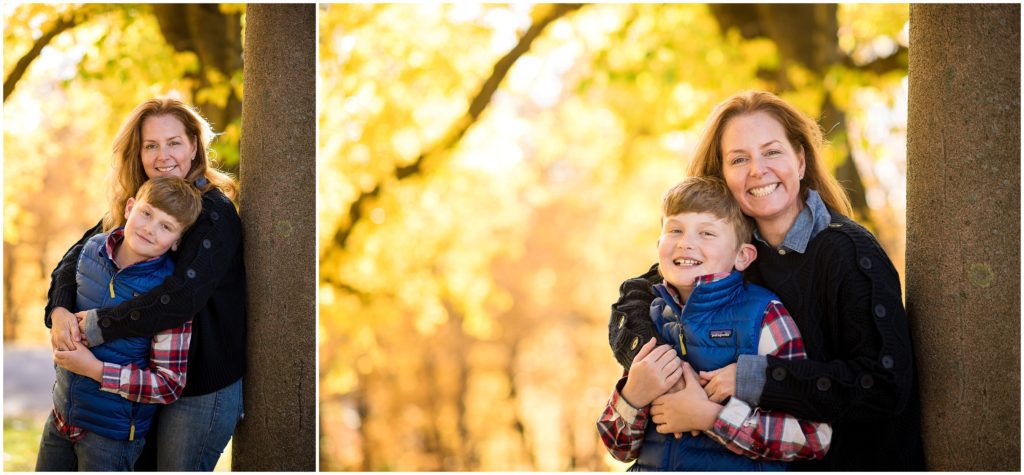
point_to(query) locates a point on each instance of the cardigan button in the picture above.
(105, 323)
(191, 273)
(206, 244)
(880, 311)
(866, 381)
(779, 373)
(622, 321)
(165, 299)
(835, 225)
(887, 362)
(824, 384)
(214, 215)
(134, 315)
(782, 252)
(636, 341)
(865, 262)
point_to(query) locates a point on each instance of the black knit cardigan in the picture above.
(844, 295)
(208, 284)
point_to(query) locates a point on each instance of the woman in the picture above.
(839, 286)
(165, 137)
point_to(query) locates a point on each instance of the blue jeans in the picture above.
(192, 432)
(92, 453)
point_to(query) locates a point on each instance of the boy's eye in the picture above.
(707, 234)
(145, 212)
(166, 227)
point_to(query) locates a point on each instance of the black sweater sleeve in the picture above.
(869, 368)
(630, 325)
(205, 256)
(63, 286)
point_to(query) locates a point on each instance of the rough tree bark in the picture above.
(278, 214)
(963, 232)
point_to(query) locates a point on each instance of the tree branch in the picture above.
(894, 62)
(476, 107)
(63, 23)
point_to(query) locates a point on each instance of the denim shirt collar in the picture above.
(811, 221)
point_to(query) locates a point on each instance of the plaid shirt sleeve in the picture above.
(163, 379)
(622, 426)
(772, 435)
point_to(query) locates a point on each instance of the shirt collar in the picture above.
(811, 221)
(115, 239)
(704, 279)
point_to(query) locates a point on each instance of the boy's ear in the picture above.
(174, 246)
(128, 207)
(745, 256)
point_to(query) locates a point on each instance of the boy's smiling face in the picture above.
(696, 244)
(149, 232)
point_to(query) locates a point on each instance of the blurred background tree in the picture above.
(489, 174)
(72, 73)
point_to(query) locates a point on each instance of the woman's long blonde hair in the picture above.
(803, 134)
(128, 171)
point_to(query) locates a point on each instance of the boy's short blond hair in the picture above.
(707, 194)
(173, 196)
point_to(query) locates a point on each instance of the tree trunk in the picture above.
(963, 232)
(278, 214)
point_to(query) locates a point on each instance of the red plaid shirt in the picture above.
(161, 381)
(744, 430)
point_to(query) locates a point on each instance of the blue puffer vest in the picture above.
(78, 398)
(721, 321)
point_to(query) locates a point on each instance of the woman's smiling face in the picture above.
(167, 150)
(760, 166)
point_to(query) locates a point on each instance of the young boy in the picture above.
(104, 399)
(709, 316)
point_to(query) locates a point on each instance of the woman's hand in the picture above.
(654, 371)
(687, 410)
(719, 384)
(81, 325)
(80, 361)
(64, 332)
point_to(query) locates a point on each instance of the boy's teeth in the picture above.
(686, 262)
(764, 190)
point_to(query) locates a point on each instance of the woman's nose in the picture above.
(757, 167)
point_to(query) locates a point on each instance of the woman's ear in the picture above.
(128, 207)
(745, 256)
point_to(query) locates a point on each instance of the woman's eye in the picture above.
(772, 152)
(738, 160)
(150, 146)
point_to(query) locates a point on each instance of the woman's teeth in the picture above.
(764, 190)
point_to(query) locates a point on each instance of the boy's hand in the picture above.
(686, 410)
(64, 331)
(654, 370)
(80, 361)
(719, 384)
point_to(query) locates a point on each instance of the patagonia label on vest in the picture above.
(721, 333)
